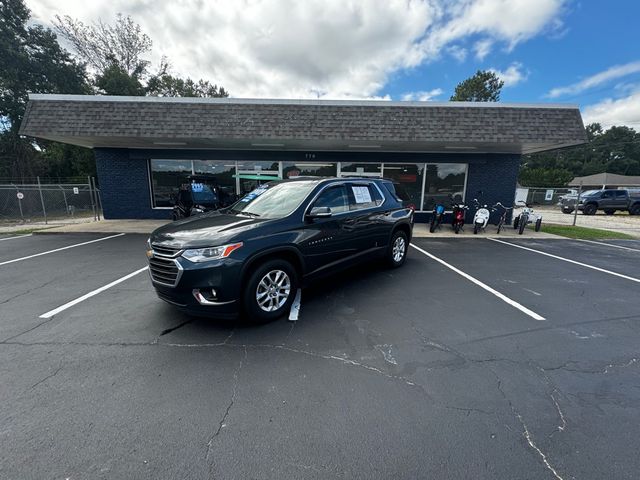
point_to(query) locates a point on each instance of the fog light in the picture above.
(205, 297)
(214, 294)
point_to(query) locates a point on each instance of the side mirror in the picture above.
(319, 212)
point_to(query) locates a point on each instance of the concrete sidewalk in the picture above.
(421, 230)
(108, 226)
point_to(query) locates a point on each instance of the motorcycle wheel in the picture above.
(456, 228)
(432, 225)
(516, 221)
(522, 226)
(476, 228)
(538, 225)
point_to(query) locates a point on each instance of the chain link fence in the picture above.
(543, 195)
(49, 202)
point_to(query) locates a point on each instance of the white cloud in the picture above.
(482, 48)
(327, 49)
(609, 112)
(422, 96)
(513, 75)
(458, 52)
(612, 73)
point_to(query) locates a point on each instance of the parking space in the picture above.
(431, 370)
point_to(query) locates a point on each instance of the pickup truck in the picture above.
(609, 200)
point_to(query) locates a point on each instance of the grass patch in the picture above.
(24, 231)
(583, 233)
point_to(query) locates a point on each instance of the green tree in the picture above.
(32, 61)
(484, 86)
(169, 86)
(544, 177)
(116, 81)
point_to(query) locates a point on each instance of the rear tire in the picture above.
(397, 251)
(635, 209)
(538, 224)
(270, 291)
(590, 209)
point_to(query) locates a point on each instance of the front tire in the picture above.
(522, 226)
(270, 291)
(476, 228)
(397, 251)
(538, 225)
(635, 209)
(500, 224)
(456, 228)
(590, 209)
(432, 226)
(516, 222)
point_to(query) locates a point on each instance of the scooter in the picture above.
(457, 216)
(481, 217)
(437, 217)
(527, 215)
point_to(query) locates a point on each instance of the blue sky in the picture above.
(565, 51)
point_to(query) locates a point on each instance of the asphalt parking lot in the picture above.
(477, 359)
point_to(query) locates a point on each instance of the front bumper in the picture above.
(223, 276)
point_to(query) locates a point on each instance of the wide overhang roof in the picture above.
(310, 125)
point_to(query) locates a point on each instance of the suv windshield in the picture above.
(273, 201)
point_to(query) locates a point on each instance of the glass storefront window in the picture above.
(444, 180)
(253, 174)
(301, 169)
(224, 173)
(166, 178)
(362, 169)
(409, 177)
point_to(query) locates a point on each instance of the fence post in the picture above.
(64, 195)
(575, 208)
(95, 194)
(19, 204)
(93, 206)
(44, 210)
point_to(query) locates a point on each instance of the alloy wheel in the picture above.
(399, 247)
(273, 290)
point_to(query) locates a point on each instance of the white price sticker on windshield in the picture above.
(361, 194)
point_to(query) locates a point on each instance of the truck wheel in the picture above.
(590, 209)
(609, 212)
(567, 210)
(635, 209)
(538, 224)
(397, 251)
(270, 291)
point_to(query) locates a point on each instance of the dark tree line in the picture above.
(108, 59)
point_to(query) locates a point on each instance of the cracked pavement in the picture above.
(411, 373)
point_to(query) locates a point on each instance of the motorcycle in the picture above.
(527, 215)
(437, 217)
(457, 216)
(481, 217)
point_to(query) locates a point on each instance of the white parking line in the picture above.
(608, 244)
(17, 236)
(502, 297)
(60, 249)
(626, 277)
(295, 307)
(70, 304)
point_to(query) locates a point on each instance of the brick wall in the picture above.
(124, 185)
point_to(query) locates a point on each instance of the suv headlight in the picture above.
(210, 253)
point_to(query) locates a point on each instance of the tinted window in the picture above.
(335, 198)
(621, 194)
(607, 194)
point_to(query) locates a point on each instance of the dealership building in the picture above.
(146, 147)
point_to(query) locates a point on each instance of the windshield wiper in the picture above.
(250, 214)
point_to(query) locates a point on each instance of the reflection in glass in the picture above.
(301, 169)
(444, 180)
(166, 178)
(409, 178)
(362, 169)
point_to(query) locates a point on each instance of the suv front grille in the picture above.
(166, 251)
(164, 271)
